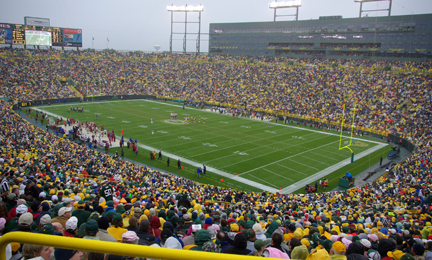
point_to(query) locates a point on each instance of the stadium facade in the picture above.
(407, 37)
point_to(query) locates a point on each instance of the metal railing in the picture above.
(122, 249)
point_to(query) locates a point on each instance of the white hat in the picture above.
(54, 197)
(42, 195)
(21, 209)
(63, 210)
(45, 219)
(257, 228)
(72, 223)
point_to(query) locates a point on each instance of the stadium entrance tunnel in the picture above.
(113, 248)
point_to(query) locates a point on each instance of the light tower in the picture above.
(373, 10)
(287, 4)
(186, 9)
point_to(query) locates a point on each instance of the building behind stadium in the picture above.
(406, 37)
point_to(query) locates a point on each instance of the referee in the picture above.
(4, 186)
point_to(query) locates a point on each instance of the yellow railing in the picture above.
(110, 247)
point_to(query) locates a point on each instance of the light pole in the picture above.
(287, 4)
(186, 9)
(373, 10)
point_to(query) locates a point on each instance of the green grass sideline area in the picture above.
(248, 152)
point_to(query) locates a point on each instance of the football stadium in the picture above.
(299, 139)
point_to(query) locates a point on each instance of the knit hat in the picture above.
(103, 223)
(91, 226)
(418, 249)
(129, 236)
(166, 233)
(81, 204)
(373, 237)
(71, 223)
(339, 247)
(366, 243)
(234, 227)
(305, 242)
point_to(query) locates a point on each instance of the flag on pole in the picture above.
(93, 38)
(107, 40)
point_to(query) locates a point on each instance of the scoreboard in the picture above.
(15, 34)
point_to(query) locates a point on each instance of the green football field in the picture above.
(246, 154)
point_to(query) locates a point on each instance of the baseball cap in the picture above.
(247, 233)
(63, 210)
(339, 247)
(407, 256)
(47, 229)
(117, 217)
(26, 219)
(21, 209)
(71, 223)
(45, 219)
(258, 244)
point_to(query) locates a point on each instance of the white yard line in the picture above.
(263, 180)
(314, 160)
(321, 174)
(330, 158)
(305, 165)
(288, 158)
(278, 174)
(276, 150)
(291, 169)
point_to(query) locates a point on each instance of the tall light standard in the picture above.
(186, 9)
(374, 10)
(287, 4)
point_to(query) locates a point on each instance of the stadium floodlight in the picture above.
(185, 8)
(358, 1)
(374, 10)
(294, 3)
(286, 4)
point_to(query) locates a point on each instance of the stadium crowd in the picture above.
(53, 186)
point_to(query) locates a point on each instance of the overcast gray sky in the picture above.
(142, 24)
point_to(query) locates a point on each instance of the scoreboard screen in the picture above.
(16, 34)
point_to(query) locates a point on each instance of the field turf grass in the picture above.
(272, 154)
